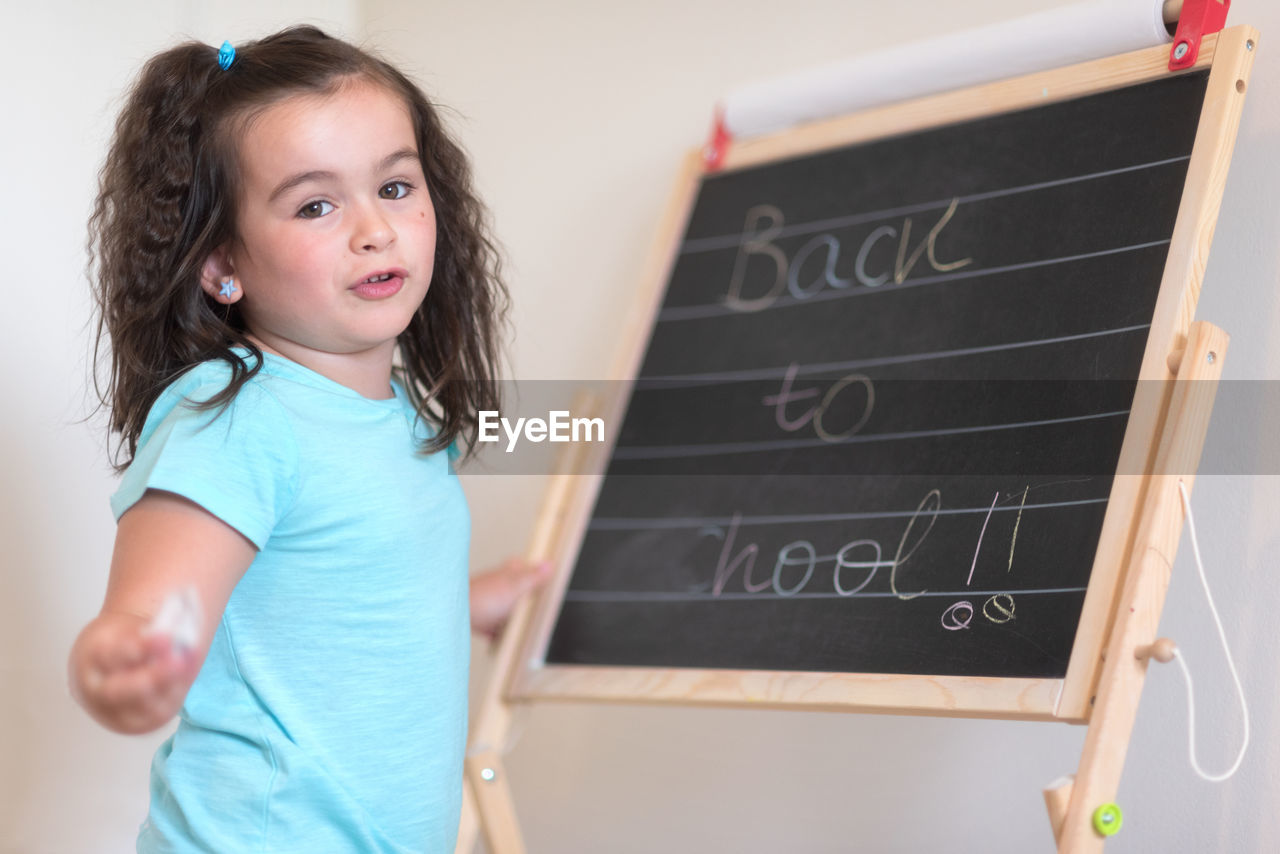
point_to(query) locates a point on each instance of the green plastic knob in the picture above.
(1107, 819)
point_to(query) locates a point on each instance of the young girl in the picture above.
(303, 306)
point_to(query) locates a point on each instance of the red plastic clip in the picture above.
(1198, 19)
(718, 145)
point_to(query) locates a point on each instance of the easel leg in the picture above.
(469, 823)
(487, 802)
(487, 780)
(1057, 796)
(1146, 582)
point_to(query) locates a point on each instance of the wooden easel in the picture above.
(1073, 803)
(1170, 424)
(487, 800)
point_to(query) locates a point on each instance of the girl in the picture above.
(302, 305)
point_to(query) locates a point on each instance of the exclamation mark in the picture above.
(1017, 522)
(980, 536)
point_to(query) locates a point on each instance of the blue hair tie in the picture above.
(226, 55)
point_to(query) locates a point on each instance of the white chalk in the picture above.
(179, 618)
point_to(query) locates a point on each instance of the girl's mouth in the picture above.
(380, 285)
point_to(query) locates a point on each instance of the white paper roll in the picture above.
(1050, 39)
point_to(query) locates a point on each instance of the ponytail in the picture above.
(162, 208)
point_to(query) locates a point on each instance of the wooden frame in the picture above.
(1139, 534)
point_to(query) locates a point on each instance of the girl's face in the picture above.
(336, 233)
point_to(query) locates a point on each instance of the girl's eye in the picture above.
(314, 210)
(394, 190)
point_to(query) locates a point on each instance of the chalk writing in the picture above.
(931, 503)
(1016, 522)
(958, 616)
(1002, 605)
(981, 534)
(795, 564)
(765, 223)
(841, 563)
(726, 568)
(785, 559)
(817, 412)
(801, 555)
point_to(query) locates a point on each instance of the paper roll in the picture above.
(1049, 39)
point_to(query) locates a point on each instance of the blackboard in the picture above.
(909, 401)
(879, 413)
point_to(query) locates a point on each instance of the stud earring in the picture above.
(228, 287)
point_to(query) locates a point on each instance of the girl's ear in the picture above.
(218, 277)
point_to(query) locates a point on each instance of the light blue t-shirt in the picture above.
(330, 714)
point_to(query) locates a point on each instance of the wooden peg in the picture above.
(1162, 650)
(1057, 797)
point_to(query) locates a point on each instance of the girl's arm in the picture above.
(494, 594)
(134, 683)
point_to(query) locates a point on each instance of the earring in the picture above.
(228, 287)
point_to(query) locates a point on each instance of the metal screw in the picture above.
(1248, 45)
(1211, 357)
(1181, 50)
(488, 775)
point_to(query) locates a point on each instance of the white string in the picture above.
(1191, 702)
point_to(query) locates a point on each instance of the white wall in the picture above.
(576, 114)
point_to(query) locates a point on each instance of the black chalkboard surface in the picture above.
(880, 411)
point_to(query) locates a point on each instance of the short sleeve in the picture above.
(239, 461)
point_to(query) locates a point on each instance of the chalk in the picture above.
(179, 618)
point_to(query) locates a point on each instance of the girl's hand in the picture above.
(128, 681)
(127, 678)
(494, 594)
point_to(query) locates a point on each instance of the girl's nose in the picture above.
(372, 231)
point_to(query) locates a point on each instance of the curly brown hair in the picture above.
(166, 200)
